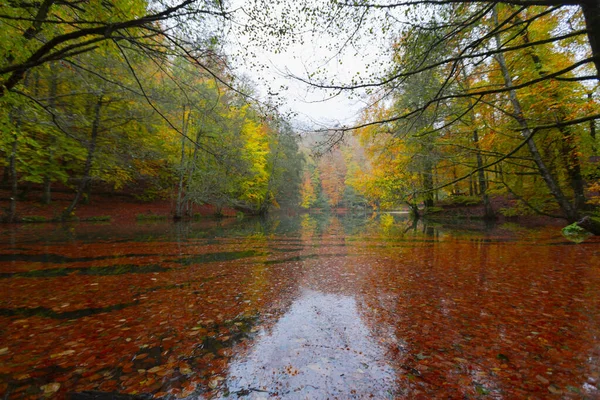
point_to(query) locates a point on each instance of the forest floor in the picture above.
(120, 208)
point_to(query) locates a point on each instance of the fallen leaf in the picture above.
(50, 388)
(542, 379)
(554, 389)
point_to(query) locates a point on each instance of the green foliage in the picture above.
(461, 200)
(88, 120)
(573, 229)
(509, 212)
(150, 217)
(99, 218)
(575, 233)
(34, 218)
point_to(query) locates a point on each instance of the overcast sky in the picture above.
(315, 108)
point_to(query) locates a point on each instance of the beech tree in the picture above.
(457, 47)
(50, 30)
(124, 92)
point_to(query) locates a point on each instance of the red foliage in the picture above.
(463, 316)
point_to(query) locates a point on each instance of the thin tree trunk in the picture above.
(6, 172)
(192, 167)
(414, 210)
(180, 200)
(471, 192)
(569, 147)
(39, 19)
(87, 192)
(593, 132)
(487, 205)
(47, 190)
(566, 207)
(88, 162)
(428, 176)
(14, 187)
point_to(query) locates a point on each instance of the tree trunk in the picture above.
(40, 17)
(179, 206)
(88, 162)
(593, 131)
(414, 210)
(591, 12)
(487, 205)
(566, 207)
(488, 212)
(192, 168)
(428, 176)
(47, 194)
(14, 187)
(471, 191)
(6, 172)
(47, 191)
(569, 147)
(87, 192)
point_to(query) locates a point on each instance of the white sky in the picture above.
(314, 108)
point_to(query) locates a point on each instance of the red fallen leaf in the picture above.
(165, 372)
(63, 354)
(542, 379)
(148, 382)
(109, 386)
(94, 377)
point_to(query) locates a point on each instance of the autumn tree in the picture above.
(332, 172)
(458, 39)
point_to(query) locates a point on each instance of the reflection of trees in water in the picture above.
(281, 223)
(462, 314)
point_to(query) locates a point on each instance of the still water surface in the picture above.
(303, 307)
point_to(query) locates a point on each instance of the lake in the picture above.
(298, 307)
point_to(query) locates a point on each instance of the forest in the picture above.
(175, 226)
(474, 101)
(139, 112)
(481, 100)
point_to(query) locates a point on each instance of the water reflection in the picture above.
(312, 306)
(274, 227)
(319, 346)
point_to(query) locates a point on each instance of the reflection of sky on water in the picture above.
(319, 348)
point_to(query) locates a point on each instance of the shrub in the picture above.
(34, 218)
(461, 200)
(98, 218)
(150, 217)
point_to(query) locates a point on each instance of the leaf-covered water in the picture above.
(298, 307)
